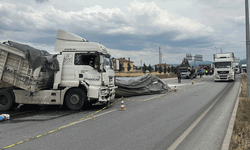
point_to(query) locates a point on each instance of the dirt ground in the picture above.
(241, 132)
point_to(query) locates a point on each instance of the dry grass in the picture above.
(241, 132)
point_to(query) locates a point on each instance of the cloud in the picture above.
(237, 21)
(142, 18)
(41, 1)
(140, 27)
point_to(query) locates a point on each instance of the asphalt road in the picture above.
(150, 122)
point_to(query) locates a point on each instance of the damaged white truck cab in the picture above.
(85, 76)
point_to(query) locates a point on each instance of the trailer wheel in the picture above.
(6, 100)
(75, 99)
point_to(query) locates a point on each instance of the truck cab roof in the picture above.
(67, 41)
(223, 57)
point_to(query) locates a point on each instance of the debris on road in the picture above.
(4, 117)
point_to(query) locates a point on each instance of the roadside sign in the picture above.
(189, 56)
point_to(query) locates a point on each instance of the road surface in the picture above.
(175, 120)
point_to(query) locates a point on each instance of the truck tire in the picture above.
(7, 100)
(75, 99)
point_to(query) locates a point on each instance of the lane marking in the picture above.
(68, 125)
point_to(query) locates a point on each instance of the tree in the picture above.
(150, 68)
(156, 68)
(172, 68)
(160, 69)
(129, 67)
(120, 67)
(144, 68)
(168, 69)
(175, 70)
(185, 63)
(135, 67)
(165, 69)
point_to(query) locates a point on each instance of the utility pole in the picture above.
(247, 48)
(141, 65)
(160, 55)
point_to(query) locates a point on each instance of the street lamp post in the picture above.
(247, 47)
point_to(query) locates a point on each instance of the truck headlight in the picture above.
(105, 92)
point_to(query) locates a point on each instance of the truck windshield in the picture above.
(107, 62)
(223, 65)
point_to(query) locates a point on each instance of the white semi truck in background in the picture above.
(237, 68)
(237, 65)
(79, 75)
(244, 68)
(224, 67)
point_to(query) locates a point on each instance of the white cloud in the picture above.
(237, 20)
(151, 20)
(136, 29)
(41, 1)
(142, 18)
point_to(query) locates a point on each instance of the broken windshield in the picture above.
(107, 62)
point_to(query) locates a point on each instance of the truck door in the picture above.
(87, 66)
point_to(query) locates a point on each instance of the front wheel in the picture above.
(7, 100)
(75, 99)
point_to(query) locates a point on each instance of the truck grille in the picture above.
(223, 72)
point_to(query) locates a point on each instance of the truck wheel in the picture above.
(75, 99)
(6, 100)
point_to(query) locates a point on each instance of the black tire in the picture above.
(75, 99)
(7, 100)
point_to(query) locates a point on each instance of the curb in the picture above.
(229, 133)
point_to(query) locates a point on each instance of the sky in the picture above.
(131, 28)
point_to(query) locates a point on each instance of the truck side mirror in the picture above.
(234, 65)
(117, 65)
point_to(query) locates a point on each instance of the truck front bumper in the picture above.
(223, 77)
(107, 94)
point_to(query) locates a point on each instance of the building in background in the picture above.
(124, 64)
(162, 65)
